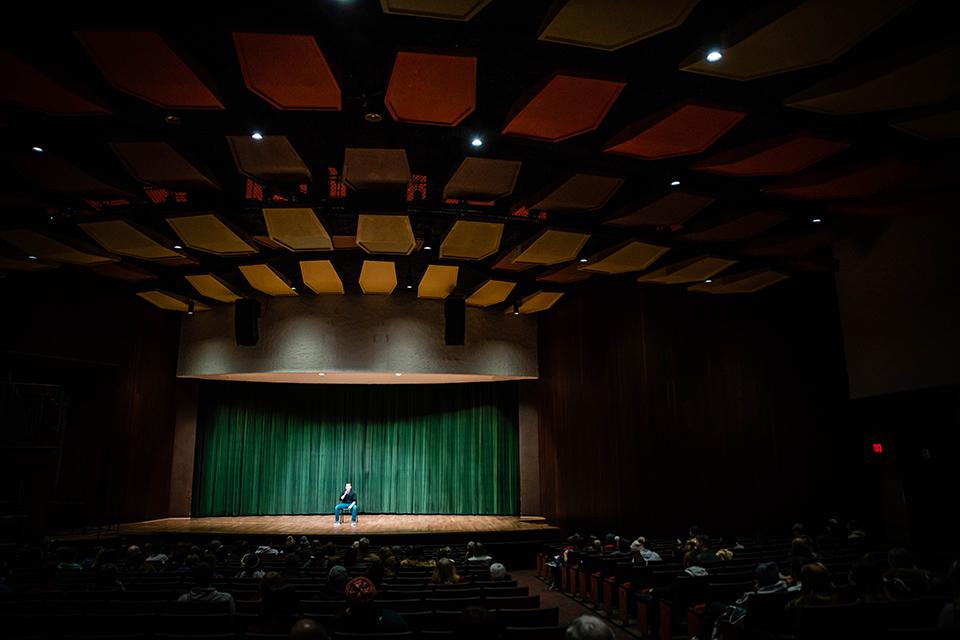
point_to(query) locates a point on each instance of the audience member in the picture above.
(640, 553)
(815, 588)
(866, 579)
(477, 623)
(250, 567)
(362, 615)
(445, 572)
(307, 629)
(903, 579)
(498, 572)
(588, 627)
(203, 589)
(106, 578)
(480, 554)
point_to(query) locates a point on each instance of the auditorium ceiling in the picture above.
(506, 152)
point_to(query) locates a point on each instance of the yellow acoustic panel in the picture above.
(630, 256)
(320, 276)
(33, 243)
(941, 126)
(438, 282)
(693, 270)
(553, 246)
(613, 24)
(506, 262)
(468, 240)
(564, 274)
(266, 279)
(580, 192)
(746, 282)
(171, 301)
(461, 10)
(376, 168)
(482, 179)
(207, 232)
(210, 286)
(385, 234)
(378, 277)
(539, 301)
(126, 239)
(297, 229)
(490, 292)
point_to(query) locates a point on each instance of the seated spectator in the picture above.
(67, 560)
(815, 588)
(866, 578)
(390, 566)
(950, 614)
(498, 572)
(610, 543)
(855, 531)
(337, 579)
(363, 551)
(250, 567)
(330, 554)
(416, 560)
(375, 572)
(444, 552)
(106, 578)
(291, 566)
(278, 603)
(307, 629)
(622, 550)
(589, 628)
(691, 567)
(471, 551)
(693, 540)
(477, 623)
(362, 615)
(203, 589)
(903, 579)
(705, 554)
(480, 554)
(766, 579)
(801, 554)
(135, 562)
(640, 553)
(445, 573)
(154, 556)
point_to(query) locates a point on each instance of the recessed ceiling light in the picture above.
(256, 135)
(477, 141)
(427, 247)
(398, 374)
(714, 55)
(172, 119)
(583, 259)
(293, 288)
(409, 286)
(516, 308)
(38, 149)
(708, 280)
(32, 257)
(816, 221)
(373, 116)
(176, 246)
(675, 183)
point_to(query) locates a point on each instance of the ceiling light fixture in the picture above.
(176, 246)
(38, 149)
(516, 308)
(816, 221)
(32, 257)
(292, 288)
(172, 119)
(477, 141)
(714, 55)
(190, 308)
(708, 281)
(583, 259)
(373, 116)
(675, 183)
(256, 135)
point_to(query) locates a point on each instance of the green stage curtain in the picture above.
(289, 448)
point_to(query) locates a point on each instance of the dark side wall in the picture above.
(113, 357)
(660, 409)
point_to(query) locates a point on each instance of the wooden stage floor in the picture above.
(317, 525)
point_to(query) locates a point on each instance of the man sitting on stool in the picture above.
(348, 500)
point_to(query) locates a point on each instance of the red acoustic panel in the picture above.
(142, 64)
(25, 86)
(674, 208)
(431, 88)
(287, 70)
(679, 131)
(848, 182)
(940, 202)
(740, 228)
(779, 157)
(567, 106)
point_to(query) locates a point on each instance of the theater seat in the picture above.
(534, 633)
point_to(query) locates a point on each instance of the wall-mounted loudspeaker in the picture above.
(454, 316)
(246, 321)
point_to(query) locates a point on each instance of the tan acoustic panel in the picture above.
(552, 246)
(438, 282)
(745, 282)
(692, 270)
(210, 286)
(537, 302)
(388, 234)
(505, 262)
(613, 24)
(297, 229)
(376, 169)
(490, 293)
(207, 232)
(157, 163)
(812, 33)
(127, 239)
(940, 126)
(266, 279)
(931, 79)
(674, 208)
(482, 179)
(321, 276)
(740, 228)
(460, 10)
(469, 240)
(171, 301)
(580, 192)
(56, 249)
(377, 277)
(632, 255)
(564, 274)
(272, 159)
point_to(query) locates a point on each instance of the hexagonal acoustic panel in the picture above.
(537, 302)
(674, 208)
(781, 156)
(632, 255)
(172, 301)
(744, 282)
(461, 10)
(297, 229)
(692, 270)
(272, 159)
(565, 107)
(580, 192)
(287, 70)
(552, 246)
(371, 169)
(740, 228)
(811, 33)
(613, 24)
(490, 293)
(142, 64)
(682, 130)
(54, 248)
(25, 86)
(438, 282)
(17, 263)
(52, 173)
(482, 179)
(158, 163)
(127, 239)
(268, 280)
(377, 277)
(564, 274)
(469, 240)
(122, 271)
(207, 232)
(320, 276)
(389, 234)
(848, 182)
(211, 286)
(432, 88)
(939, 126)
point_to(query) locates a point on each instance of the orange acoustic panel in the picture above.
(612, 25)
(782, 156)
(848, 182)
(482, 179)
(740, 228)
(271, 159)
(811, 33)
(287, 70)
(432, 88)
(939, 202)
(679, 131)
(580, 192)
(142, 64)
(461, 10)
(25, 86)
(567, 106)
(158, 163)
(674, 208)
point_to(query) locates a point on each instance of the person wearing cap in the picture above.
(362, 615)
(640, 553)
(250, 567)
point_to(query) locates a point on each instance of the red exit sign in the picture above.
(877, 447)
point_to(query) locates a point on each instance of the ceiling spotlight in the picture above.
(398, 374)
(816, 221)
(708, 281)
(427, 247)
(38, 149)
(409, 286)
(583, 259)
(292, 288)
(172, 119)
(714, 55)
(176, 246)
(256, 135)
(32, 257)
(675, 183)
(477, 141)
(373, 116)
(516, 308)
(190, 308)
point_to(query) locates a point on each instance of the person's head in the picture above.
(337, 577)
(899, 558)
(250, 562)
(202, 574)
(609, 539)
(623, 545)
(347, 487)
(704, 542)
(308, 629)
(589, 628)
(444, 552)
(477, 623)
(360, 594)
(636, 547)
(693, 532)
(766, 575)
(498, 571)
(471, 548)
(815, 578)
(446, 572)
(330, 550)
(363, 546)
(480, 550)
(597, 545)
(798, 530)
(390, 564)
